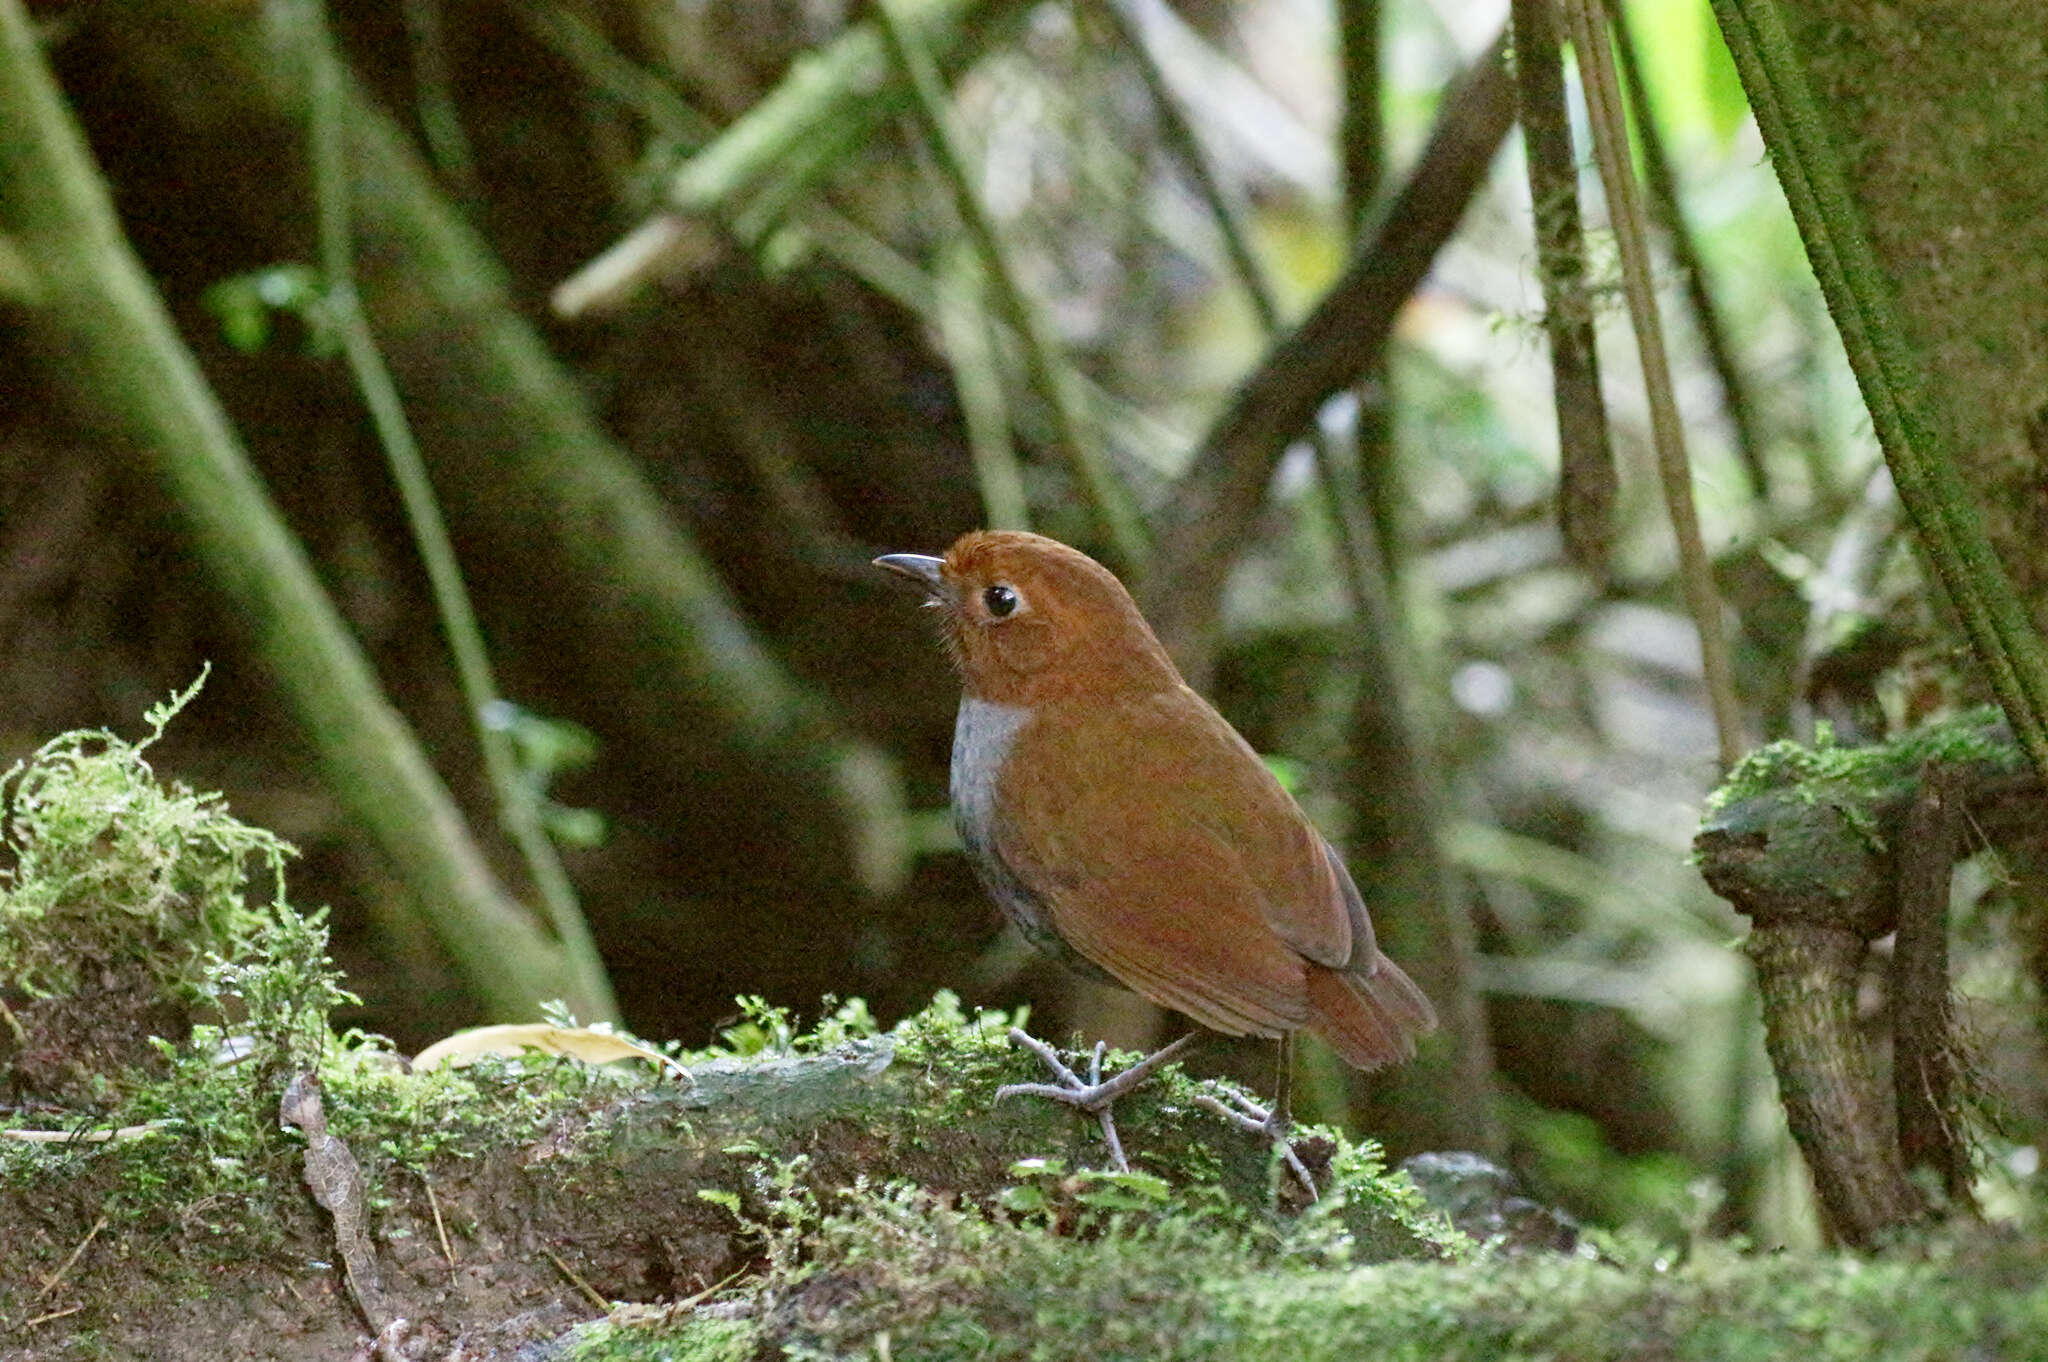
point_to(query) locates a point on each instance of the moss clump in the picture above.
(111, 869)
(127, 916)
(153, 1000)
(1866, 777)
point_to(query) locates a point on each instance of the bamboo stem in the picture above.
(1667, 431)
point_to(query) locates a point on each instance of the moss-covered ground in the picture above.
(836, 1191)
(904, 1280)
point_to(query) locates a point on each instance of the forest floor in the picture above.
(193, 1165)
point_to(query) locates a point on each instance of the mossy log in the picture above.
(522, 1183)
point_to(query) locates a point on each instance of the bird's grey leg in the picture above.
(1248, 1115)
(1096, 1095)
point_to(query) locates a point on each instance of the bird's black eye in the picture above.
(1000, 600)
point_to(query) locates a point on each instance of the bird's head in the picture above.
(1028, 619)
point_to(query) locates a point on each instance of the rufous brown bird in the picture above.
(1113, 814)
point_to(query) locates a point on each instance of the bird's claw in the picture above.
(1249, 1116)
(1096, 1095)
(1069, 1082)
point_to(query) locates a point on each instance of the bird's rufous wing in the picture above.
(1169, 855)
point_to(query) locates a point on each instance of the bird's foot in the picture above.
(1096, 1095)
(1248, 1115)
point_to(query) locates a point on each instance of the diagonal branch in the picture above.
(116, 356)
(1588, 25)
(1206, 524)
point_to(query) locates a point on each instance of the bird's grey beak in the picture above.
(920, 568)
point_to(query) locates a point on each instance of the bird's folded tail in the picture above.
(1370, 1019)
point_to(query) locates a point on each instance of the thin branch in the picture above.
(1044, 366)
(1668, 212)
(117, 358)
(1667, 432)
(519, 811)
(1586, 475)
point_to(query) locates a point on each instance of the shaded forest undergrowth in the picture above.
(842, 1191)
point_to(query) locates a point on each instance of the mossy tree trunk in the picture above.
(1936, 110)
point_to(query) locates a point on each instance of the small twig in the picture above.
(1044, 366)
(589, 1292)
(50, 1282)
(697, 1298)
(84, 1136)
(28, 1324)
(1667, 432)
(440, 1228)
(665, 244)
(335, 1179)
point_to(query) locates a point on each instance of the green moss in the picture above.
(901, 1276)
(703, 1340)
(110, 868)
(145, 890)
(1811, 824)
(1864, 777)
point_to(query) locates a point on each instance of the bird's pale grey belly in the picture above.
(982, 737)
